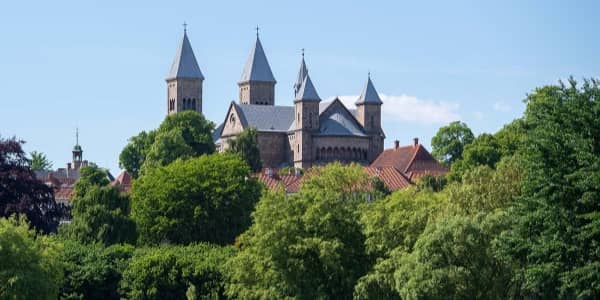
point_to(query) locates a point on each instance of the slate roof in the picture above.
(185, 64)
(301, 74)
(369, 94)
(216, 135)
(335, 119)
(257, 67)
(307, 91)
(413, 160)
(266, 117)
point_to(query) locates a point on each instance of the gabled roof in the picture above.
(265, 117)
(257, 67)
(369, 94)
(336, 119)
(413, 160)
(185, 64)
(307, 91)
(392, 178)
(301, 74)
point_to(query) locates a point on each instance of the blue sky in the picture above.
(100, 65)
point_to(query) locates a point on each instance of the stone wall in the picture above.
(184, 88)
(256, 92)
(273, 148)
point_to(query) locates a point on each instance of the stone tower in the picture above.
(184, 81)
(306, 119)
(368, 113)
(257, 85)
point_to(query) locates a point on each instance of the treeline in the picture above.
(517, 217)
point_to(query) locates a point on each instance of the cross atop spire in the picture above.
(257, 28)
(303, 52)
(257, 67)
(184, 27)
(185, 64)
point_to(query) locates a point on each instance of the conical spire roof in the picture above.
(257, 67)
(307, 91)
(185, 64)
(369, 94)
(302, 73)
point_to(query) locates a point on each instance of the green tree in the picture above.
(134, 154)
(176, 272)
(181, 135)
(93, 271)
(484, 150)
(89, 177)
(208, 198)
(29, 264)
(101, 215)
(555, 239)
(39, 162)
(450, 140)
(246, 145)
(304, 246)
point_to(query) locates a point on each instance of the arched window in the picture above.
(298, 117)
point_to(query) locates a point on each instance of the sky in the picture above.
(100, 65)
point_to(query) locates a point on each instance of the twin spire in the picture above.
(185, 64)
(257, 67)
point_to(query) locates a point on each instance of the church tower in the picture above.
(257, 85)
(368, 113)
(184, 81)
(306, 114)
(77, 152)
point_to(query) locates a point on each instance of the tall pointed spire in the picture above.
(185, 64)
(257, 67)
(369, 95)
(307, 91)
(302, 73)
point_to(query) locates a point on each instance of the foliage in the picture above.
(101, 215)
(22, 193)
(89, 177)
(305, 246)
(39, 162)
(555, 239)
(93, 271)
(181, 135)
(246, 145)
(450, 140)
(30, 268)
(208, 198)
(176, 272)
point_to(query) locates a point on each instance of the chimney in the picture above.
(68, 166)
(416, 141)
(269, 172)
(396, 144)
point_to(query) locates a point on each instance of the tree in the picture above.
(101, 215)
(22, 193)
(208, 198)
(304, 246)
(482, 151)
(450, 140)
(89, 177)
(246, 145)
(132, 157)
(93, 271)
(30, 267)
(556, 234)
(182, 135)
(176, 272)
(39, 162)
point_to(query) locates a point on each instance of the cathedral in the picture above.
(305, 132)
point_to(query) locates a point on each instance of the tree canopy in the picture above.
(182, 135)
(30, 268)
(39, 161)
(22, 193)
(449, 142)
(246, 145)
(208, 198)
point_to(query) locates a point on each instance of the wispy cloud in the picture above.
(501, 106)
(411, 109)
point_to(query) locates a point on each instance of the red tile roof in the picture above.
(392, 178)
(290, 182)
(123, 181)
(413, 161)
(63, 193)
